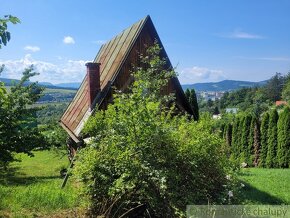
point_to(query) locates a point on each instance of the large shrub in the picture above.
(142, 160)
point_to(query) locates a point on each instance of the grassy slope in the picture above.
(32, 187)
(265, 186)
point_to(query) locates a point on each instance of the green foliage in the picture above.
(4, 34)
(273, 89)
(236, 138)
(227, 135)
(192, 99)
(286, 89)
(142, 160)
(50, 114)
(250, 148)
(257, 100)
(271, 160)
(283, 152)
(243, 99)
(245, 154)
(264, 139)
(251, 139)
(54, 135)
(256, 141)
(18, 127)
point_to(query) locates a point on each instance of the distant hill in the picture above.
(10, 82)
(225, 85)
(68, 85)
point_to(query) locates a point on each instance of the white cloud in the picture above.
(68, 71)
(239, 34)
(99, 42)
(31, 48)
(200, 74)
(68, 40)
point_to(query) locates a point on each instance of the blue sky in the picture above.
(206, 40)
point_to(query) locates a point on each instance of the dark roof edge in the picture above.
(71, 134)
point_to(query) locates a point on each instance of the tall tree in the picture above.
(273, 89)
(187, 94)
(286, 89)
(250, 150)
(194, 103)
(18, 126)
(271, 160)
(257, 142)
(264, 139)
(192, 99)
(283, 153)
(228, 135)
(235, 148)
(245, 156)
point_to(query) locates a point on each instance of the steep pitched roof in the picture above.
(111, 56)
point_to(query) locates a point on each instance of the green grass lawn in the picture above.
(265, 186)
(31, 188)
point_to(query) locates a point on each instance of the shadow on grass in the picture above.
(251, 195)
(12, 176)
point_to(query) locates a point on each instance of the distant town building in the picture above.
(210, 95)
(233, 110)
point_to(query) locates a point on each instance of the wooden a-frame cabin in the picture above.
(111, 68)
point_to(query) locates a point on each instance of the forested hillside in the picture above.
(253, 99)
(259, 134)
(225, 85)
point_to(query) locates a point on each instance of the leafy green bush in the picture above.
(142, 160)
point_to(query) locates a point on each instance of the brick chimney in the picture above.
(93, 77)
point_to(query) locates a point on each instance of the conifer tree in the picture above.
(264, 140)
(224, 129)
(251, 139)
(192, 99)
(228, 135)
(283, 152)
(194, 103)
(235, 139)
(257, 142)
(250, 151)
(245, 127)
(187, 94)
(271, 160)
